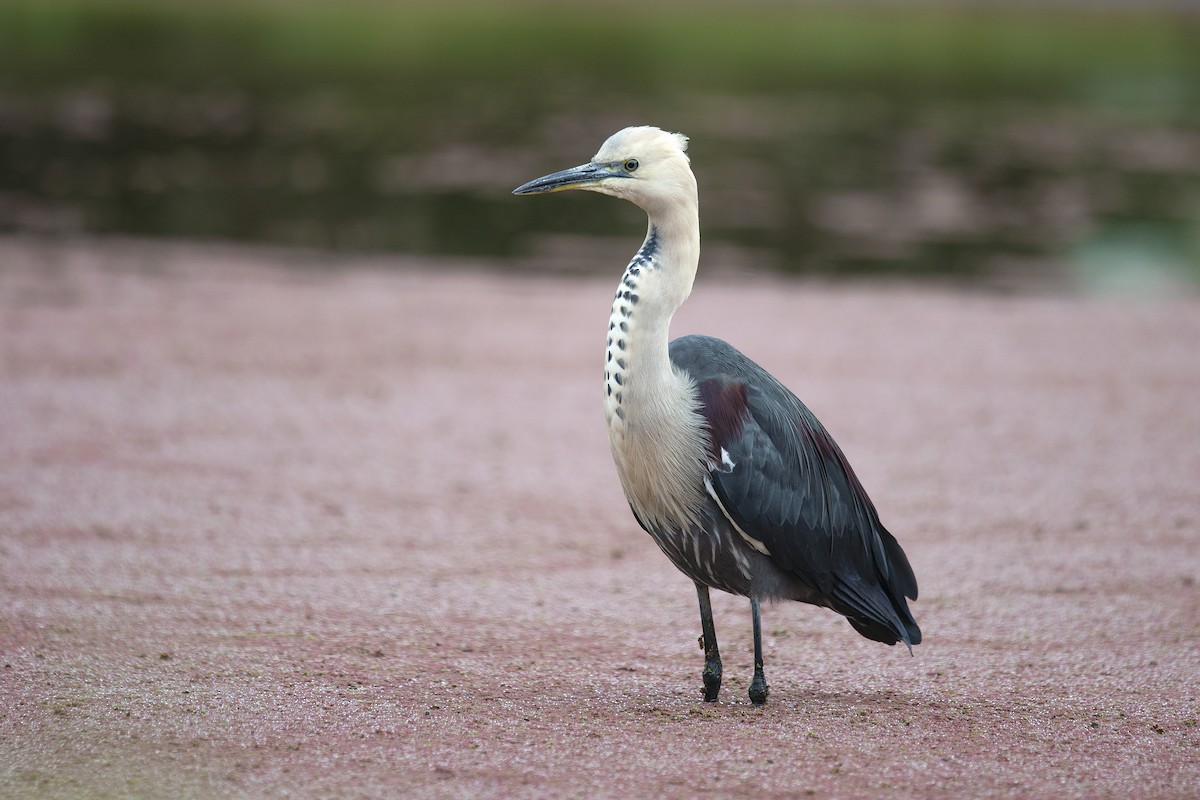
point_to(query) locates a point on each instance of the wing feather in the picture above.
(793, 489)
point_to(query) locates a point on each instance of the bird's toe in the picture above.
(759, 690)
(712, 682)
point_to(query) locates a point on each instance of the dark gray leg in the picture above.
(708, 640)
(758, 686)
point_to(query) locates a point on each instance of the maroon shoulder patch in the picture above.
(724, 407)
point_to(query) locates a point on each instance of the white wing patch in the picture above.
(727, 464)
(712, 492)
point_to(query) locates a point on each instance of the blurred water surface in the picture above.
(985, 143)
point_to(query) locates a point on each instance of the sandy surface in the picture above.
(271, 531)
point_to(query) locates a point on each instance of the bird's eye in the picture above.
(631, 165)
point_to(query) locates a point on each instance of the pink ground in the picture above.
(269, 530)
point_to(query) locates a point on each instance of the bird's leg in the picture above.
(712, 656)
(758, 686)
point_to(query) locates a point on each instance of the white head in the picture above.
(645, 165)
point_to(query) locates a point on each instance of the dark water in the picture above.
(1096, 182)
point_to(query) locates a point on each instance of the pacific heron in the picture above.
(732, 475)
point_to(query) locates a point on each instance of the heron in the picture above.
(734, 478)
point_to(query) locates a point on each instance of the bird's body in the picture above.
(734, 478)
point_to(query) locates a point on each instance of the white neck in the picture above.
(653, 426)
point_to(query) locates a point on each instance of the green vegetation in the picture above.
(710, 46)
(936, 138)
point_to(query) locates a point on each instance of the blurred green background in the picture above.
(1000, 144)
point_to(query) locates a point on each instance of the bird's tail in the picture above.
(876, 613)
(879, 611)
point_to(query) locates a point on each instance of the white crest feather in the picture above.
(681, 140)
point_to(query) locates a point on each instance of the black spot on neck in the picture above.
(650, 247)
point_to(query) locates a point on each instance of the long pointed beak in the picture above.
(585, 176)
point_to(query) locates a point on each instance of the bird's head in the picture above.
(645, 165)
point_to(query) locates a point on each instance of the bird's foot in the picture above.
(759, 689)
(712, 680)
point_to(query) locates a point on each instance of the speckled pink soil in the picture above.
(269, 530)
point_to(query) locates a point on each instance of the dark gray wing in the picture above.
(783, 480)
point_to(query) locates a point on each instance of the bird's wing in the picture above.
(784, 483)
(782, 480)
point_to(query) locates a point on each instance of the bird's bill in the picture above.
(585, 176)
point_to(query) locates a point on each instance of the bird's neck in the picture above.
(650, 407)
(660, 276)
(654, 285)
